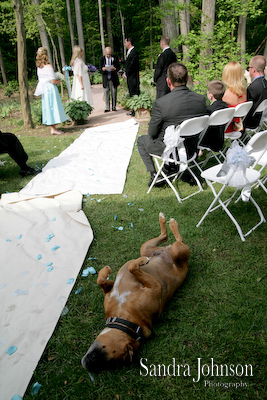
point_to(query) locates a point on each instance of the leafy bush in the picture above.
(96, 77)
(78, 110)
(36, 109)
(142, 101)
(12, 87)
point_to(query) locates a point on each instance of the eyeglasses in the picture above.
(248, 68)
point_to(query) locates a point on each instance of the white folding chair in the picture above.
(262, 107)
(219, 118)
(189, 128)
(241, 111)
(210, 175)
(258, 143)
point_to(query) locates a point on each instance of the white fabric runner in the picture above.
(43, 243)
(95, 163)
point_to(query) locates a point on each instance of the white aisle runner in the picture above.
(95, 163)
(43, 243)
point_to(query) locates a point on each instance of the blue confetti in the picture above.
(20, 292)
(87, 271)
(141, 209)
(125, 196)
(115, 217)
(120, 228)
(39, 257)
(48, 151)
(53, 219)
(11, 350)
(19, 237)
(132, 225)
(70, 281)
(79, 290)
(55, 248)
(49, 269)
(88, 195)
(91, 258)
(99, 200)
(16, 397)
(48, 264)
(35, 389)
(130, 204)
(8, 240)
(49, 237)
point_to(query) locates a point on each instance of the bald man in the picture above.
(109, 67)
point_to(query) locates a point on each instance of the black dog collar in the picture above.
(135, 331)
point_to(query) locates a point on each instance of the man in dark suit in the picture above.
(257, 90)
(180, 104)
(166, 58)
(109, 67)
(132, 70)
(9, 143)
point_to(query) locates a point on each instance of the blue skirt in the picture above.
(52, 108)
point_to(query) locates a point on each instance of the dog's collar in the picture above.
(135, 331)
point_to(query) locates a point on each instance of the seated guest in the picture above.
(257, 90)
(214, 136)
(172, 109)
(10, 144)
(235, 93)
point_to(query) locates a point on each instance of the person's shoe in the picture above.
(107, 111)
(114, 109)
(28, 171)
(157, 183)
(131, 114)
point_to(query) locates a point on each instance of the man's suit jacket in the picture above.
(165, 59)
(214, 137)
(256, 92)
(174, 108)
(114, 74)
(132, 72)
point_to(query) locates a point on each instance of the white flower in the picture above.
(59, 76)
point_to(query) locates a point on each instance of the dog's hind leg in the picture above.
(102, 279)
(175, 230)
(148, 247)
(146, 279)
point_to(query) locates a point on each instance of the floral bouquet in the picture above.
(91, 68)
(59, 76)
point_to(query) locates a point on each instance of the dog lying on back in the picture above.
(138, 295)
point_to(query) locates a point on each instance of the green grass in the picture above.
(219, 313)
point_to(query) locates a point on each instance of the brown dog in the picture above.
(139, 293)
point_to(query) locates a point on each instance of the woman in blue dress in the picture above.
(52, 109)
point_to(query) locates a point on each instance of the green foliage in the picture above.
(36, 110)
(8, 107)
(96, 77)
(142, 101)
(78, 110)
(12, 87)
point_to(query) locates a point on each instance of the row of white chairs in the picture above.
(198, 127)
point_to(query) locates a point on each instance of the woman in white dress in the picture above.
(52, 108)
(81, 87)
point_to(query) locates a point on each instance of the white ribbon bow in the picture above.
(173, 141)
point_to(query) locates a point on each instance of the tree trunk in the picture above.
(184, 15)
(207, 28)
(101, 26)
(72, 40)
(42, 31)
(241, 35)
(2, 67)
(60, 40)
(169, 20)
(22, 64)
(122, 30)
(109, 25)
(150, 33)
(79, 25)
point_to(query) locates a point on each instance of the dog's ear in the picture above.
(129, 353)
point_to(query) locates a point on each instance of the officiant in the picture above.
(109, 67)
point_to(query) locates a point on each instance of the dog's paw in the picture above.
(162, 217)
(173, 223)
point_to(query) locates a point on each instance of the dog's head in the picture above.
(111, 348)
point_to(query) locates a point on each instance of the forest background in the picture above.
(205, 34)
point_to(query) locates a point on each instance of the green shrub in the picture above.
(142, 101)
(36, 109)
(12, 87)
(96, 77)
(78, 110)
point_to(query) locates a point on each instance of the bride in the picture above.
(81, 87)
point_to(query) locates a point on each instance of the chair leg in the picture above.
(225, 204)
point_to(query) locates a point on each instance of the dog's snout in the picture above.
(95, 359)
